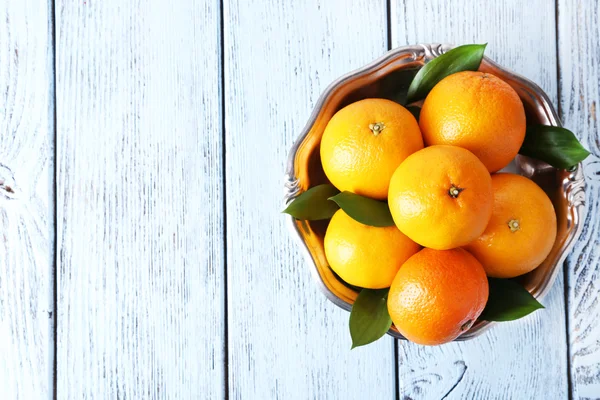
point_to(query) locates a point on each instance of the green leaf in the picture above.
(394, 86)
(364, 210)
(462, 58)
(557, 146)
(508, 301)
(369, 318)
(314, 204)
(415, 111)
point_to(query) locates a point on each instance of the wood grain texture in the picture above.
(579, 55)
(140, 200)
(286, 341)
(522, 359)
(26, 200)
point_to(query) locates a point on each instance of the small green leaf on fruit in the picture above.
(462, 58)
(314, 204)
(552, 144)
(508, 301)
(369, 318)
(365, 210)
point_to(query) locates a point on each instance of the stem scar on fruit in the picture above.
(514, 225)
(454, 191)
(376, 128)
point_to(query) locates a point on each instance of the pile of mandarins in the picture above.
(457, 219)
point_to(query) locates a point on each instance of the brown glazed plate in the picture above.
(386, 77)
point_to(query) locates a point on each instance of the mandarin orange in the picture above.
(365, 256)
(477, 111)
(364, 143)
(522, 229)
(441, 197)
(437, 295)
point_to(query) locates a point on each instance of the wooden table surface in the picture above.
(142, 152)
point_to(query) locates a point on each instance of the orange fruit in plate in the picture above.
(437, 295)
(365, 256)
(441, 197)
(522, 229)
(363, 144)
(477, 111)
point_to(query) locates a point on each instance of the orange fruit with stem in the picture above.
(477, 111)
(437, 295)
(365, 256)
(364, 143)
(521, 231)
(441, 197)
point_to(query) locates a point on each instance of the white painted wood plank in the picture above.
(523, 359)
(579, 72)
(140, 200)
(26, 200)
(286, 340)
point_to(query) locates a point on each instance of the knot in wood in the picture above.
(7, 183)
